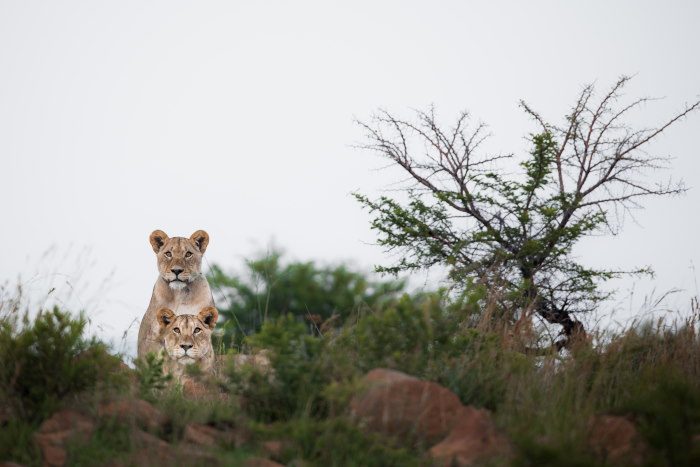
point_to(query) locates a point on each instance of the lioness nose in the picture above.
(177, 271)
(186, 347)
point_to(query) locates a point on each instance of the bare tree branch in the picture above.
(578, 177)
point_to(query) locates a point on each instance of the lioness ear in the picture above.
(158, 238)
(209, 315)
(165, 317)
(201, 239)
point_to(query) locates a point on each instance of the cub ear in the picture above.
(165, 317)
(209, 315)
(201, 239)
(158, 239)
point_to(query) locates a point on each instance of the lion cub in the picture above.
(187, 339)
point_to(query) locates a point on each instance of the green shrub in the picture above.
(270, 290)
(111, 441)
(182, 411)
(544, 452)
(299, 377)
(647, 372)
(407, 335)
(339, 442)
(44, 360)
(666, 408)
(421, 336)
(427, 337)
(17, 444)
(150, 376)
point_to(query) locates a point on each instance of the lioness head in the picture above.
(187, 338)
(179, 258)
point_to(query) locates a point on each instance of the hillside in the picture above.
(479, 393)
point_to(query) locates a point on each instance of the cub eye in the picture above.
(188, 254)
(176, 330)
(168, 254)
(197, 330)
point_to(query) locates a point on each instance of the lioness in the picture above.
(180, 287)
(187, 339)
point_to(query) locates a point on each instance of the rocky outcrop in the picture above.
(474, 437)
(614, 440)
(129, 410)
(73, 428)
(402, 406)
(65, 426)
(425, 413)
(206, 435)
(151, 450)
(275, 449)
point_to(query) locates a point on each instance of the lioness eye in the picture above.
(176, 330)
(168, 254)
(197, 330)
(188, 254)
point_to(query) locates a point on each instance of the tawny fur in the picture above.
(186, 340)
(184, 293)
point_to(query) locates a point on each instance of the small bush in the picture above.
(339, 442)
(666, 408)
(150, 376)
(215, 411)
(111, 441)
(17, 444)
(299, 378)
(44, 360)
(270, 290)
(404, 336)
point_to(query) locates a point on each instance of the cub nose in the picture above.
(177, 271)
(186, 347)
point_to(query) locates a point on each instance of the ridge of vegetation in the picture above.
(649, 373)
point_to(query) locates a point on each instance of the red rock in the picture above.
(202, 435)
(205, 435)
(473, 438)
(129, 410)
(614, 440)
(400, 405)
(150, 450)
(276, 448)
(142, 439)
(153, 451)
(63, 427)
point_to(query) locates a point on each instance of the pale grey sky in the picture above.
(118, 118)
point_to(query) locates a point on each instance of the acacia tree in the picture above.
(515, 234)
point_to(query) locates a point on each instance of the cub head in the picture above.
(187, 338)
(179, 258)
